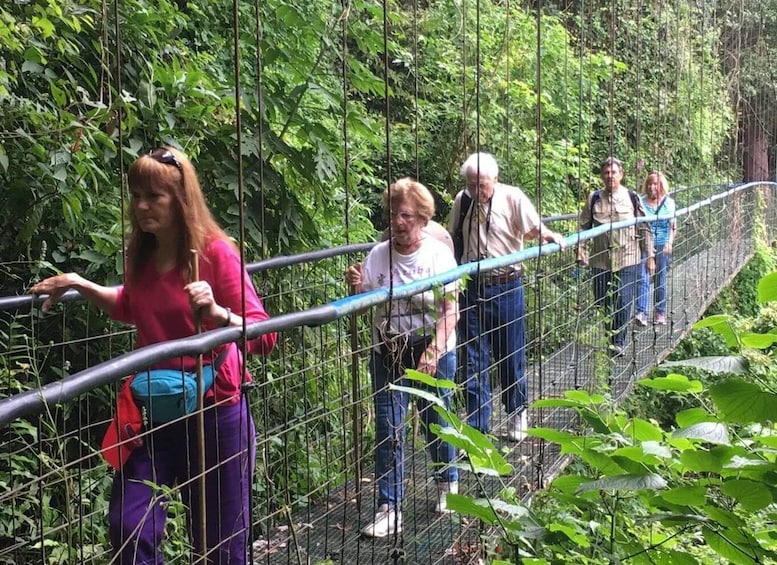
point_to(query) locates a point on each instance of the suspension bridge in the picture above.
(312, 402)
(295, 127)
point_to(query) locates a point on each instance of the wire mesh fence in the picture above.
(312, 402)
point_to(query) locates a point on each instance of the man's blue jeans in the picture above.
(493, 326)
(659, 279)
(615, 292)
(390, 414)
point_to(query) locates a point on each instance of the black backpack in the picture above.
(458, 233)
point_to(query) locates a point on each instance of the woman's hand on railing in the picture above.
(354, 277)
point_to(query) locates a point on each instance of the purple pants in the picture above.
(170, 457)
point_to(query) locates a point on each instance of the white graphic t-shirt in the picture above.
(417, 315)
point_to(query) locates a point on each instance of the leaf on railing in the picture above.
(733, 364)
(711, 432)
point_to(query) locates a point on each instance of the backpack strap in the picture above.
(634, 202)
(595, 197)
(465, 203)
(661, 205)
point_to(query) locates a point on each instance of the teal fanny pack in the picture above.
(164, 395)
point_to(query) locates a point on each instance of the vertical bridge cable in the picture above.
(396, 553)
(260, 133)
(260, 110)
(580, 193)
(538, 276)
(244, 431)
(355, 415)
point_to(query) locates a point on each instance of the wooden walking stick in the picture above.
(200, 419)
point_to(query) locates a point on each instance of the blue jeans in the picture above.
(659, 295)
(390, 414)
(493, 325)
(615, 292)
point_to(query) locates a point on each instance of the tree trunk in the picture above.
(755, 152)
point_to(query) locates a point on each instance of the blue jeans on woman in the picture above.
(390, 415)
(659, 295)
(615, 293)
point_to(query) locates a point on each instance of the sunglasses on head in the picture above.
(166, 157)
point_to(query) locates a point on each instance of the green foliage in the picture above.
(697, 489)
(743, 294)
(295, 140)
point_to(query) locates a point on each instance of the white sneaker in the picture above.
(517, 426)
(387, 522)
(641, 319)
(442, 496)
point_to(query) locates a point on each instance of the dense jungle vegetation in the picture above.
(296, 136)
(335, 100)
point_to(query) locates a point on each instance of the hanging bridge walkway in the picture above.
(312, 400)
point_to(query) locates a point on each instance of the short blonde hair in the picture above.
(411, 191)
(663, 184)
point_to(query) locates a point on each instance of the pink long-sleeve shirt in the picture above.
(159, 309)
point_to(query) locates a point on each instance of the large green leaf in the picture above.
(425, 394)
(743, 402)
(758, 341)
(724, 517)
(701, 461)
(752, 464)
(600, 461)
(720, 324)
(570, 443)
(691, 416)
(675, 557)
(674, 382)
(575, 535)
(486, 509)
(767, 288)
(752, 495)
(733, 364)
(711, 432)
(642, 430)
(628, 483)
(635, 453)
(731, 544)
(691, 495)
(428, 380)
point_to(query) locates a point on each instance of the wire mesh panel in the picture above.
(312, 402)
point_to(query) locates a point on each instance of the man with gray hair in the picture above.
(617, 254)
(491, 219)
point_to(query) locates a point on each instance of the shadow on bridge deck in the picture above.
(327, 531)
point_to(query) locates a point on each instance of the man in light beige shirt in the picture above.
(616, 255)
(491, 219)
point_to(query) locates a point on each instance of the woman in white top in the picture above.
(413, 333)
